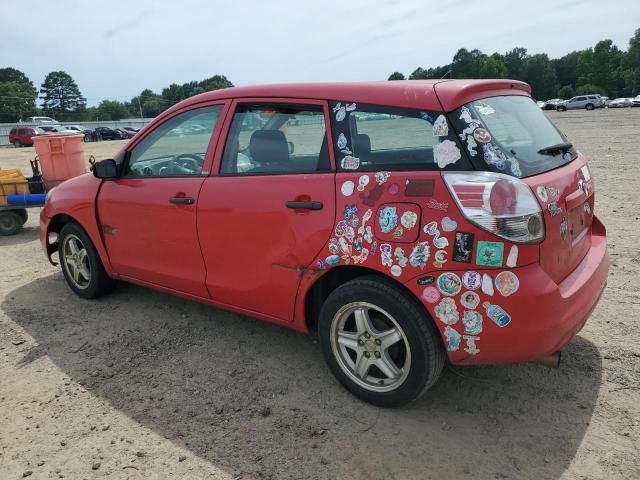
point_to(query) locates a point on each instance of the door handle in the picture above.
(181, 200)
(304, 205)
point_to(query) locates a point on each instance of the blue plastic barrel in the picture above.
(27, 199)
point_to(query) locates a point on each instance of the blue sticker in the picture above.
(490, 254)
(419, 255)
(497, 314)
(453, 339)
(332, 260)
(320, 264)
(388, 219)
(350, 211)
(342, 141)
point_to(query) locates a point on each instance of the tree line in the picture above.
(60, 98)
(603, 69)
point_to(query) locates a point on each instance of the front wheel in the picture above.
(379, 342)
(81, 264)
(589, 106)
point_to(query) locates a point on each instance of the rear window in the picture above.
(375, 137)
(510, 134)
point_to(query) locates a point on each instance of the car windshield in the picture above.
(510, 134)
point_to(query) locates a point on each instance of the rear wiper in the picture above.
(559, 147)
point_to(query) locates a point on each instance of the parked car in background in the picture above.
(74, 128)
(107, 133)
(132, 129)
(23, 136)
(605, 101)
(551, 104)
(49, 128)
(123, 133)
(472, 240)
(620, 102)
(540, 103)
(588, 102)
(635, 101)
(39, 120)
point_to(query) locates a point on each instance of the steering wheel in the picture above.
(186, 163)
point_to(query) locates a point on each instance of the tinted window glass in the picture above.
(510, 134)
(266, 139)
(177, 147)
(374, 137)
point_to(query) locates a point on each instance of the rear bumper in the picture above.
(545, 316)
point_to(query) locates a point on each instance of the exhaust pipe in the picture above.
(551, 361)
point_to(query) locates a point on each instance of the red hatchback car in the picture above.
(406, 223)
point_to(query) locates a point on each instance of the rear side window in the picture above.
(276, 139)
(374, 137)
(510, 134)
(13, 130)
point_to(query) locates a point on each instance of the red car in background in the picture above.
(22, 136)
(405, 223)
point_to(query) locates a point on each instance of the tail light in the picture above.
(499, 204)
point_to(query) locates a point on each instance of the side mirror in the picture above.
(105, 169)
(291, 149)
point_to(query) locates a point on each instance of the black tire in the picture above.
(10, 223)
(99, 283)
(561, 109)
(425, 348)
(589, 106)
(17, 144)
(24, 216)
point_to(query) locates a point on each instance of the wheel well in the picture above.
(335, 277)
(59, 221)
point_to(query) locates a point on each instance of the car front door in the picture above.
(148, 214)
(270, 210)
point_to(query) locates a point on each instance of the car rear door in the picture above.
(148, 215)
(269, 211)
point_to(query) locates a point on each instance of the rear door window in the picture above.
(510, 134)
(275, 139)
(375, 137)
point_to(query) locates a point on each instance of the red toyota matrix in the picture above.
(405, 223)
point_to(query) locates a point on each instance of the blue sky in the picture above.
(115, 49)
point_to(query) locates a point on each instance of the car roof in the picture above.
(401, 93)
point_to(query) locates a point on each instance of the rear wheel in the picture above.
(589, 106)
(24, 216)
(562, 109)
(81, 264)
(378, 341)
(10, 223)
(17, 144)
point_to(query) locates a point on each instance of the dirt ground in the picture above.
(144, 385)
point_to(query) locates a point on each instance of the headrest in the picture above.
(361, 144)
(268, 147)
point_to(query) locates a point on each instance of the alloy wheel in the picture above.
(76, 261)
(370, 347)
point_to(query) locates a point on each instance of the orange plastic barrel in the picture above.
(61, 157)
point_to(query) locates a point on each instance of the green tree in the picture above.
(493, 67)
(566, 92)
(396, 76)
(540, 74)
(17, 95)
(112, 110)
(467, 64)
(61, 97)
(565, 68)
(588, 88)
(514, 61)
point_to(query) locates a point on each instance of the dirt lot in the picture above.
(144, 385)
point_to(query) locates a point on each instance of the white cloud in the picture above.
(114, 50)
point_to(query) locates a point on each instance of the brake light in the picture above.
(499, 204)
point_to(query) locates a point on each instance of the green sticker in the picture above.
(490, 254)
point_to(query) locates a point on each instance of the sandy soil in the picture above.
(144, 385)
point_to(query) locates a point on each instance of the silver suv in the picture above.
(582, 101)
